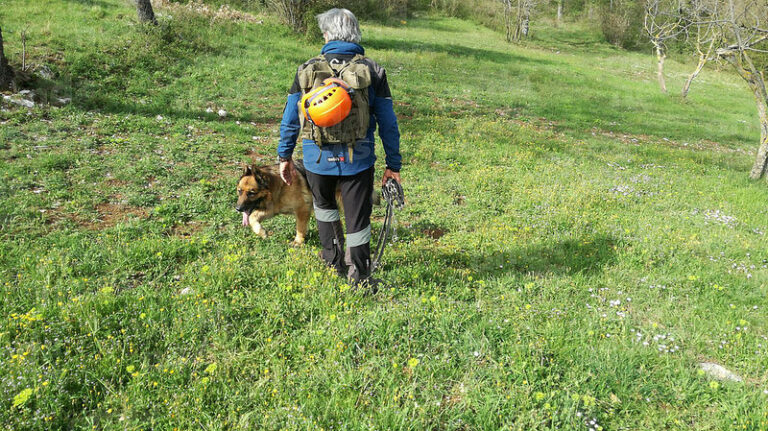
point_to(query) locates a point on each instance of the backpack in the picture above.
(354, 128)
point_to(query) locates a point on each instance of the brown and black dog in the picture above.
(262, 194)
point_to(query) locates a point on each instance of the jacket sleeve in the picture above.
(384, 112)
(289, 126)
(388, 131)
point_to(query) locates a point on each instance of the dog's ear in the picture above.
(247, 171)
(261, 178)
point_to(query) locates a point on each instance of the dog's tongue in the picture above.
(245, 218)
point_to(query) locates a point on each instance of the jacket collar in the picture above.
(342, 47)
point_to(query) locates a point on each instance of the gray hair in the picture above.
(339, 24)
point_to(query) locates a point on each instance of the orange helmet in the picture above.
(328, 105)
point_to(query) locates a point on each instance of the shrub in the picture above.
(621, 23)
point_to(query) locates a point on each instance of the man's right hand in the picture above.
(287, 172)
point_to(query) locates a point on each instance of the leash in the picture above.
(392, 192)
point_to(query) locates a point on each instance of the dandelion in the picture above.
(539, 396)
(22, 397)
(714, 385)
(588, 400)
(413, 362)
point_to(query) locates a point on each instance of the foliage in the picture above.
(621, 23)
(573, 242)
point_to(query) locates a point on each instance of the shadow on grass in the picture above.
(91, 3)
(571, 256)
(453, 50)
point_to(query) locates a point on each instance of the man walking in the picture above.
(342, 154)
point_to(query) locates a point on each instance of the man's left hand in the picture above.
(390, 174)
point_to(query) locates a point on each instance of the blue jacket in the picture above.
(382, 113)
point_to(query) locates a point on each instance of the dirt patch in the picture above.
(434, 232)
(114, 182)
(187, 230)
(111, 214)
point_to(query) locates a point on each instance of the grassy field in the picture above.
(574, 242)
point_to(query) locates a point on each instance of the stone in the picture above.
(21, 102)
(45, 72)
(719, 372)
(61, 101)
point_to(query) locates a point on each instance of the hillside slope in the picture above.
(574, 242)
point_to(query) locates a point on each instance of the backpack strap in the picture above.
(358, 58)
(322, 63)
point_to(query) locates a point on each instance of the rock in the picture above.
(719, 372)
(21, 102)
(187, 291)
(222, 113)
(209, 110)
(159, 118)
(45, 72)
(61, 101)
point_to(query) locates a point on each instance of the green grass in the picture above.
(562, 217)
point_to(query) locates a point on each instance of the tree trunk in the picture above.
(508, 19)
(756, 82)
(6, 73)
(559, 12)
(661, 56)
(146, 14)
(703, 58)
(761, 161)
(687, 86)
(518, 21)
(526, 25)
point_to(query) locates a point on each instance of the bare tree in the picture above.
(508, 19)
(6, 73)
(517, 18)
(146, 14)
(703, 35)
(663, 22)
(559, 19)
(743, 30)
(292, 12)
